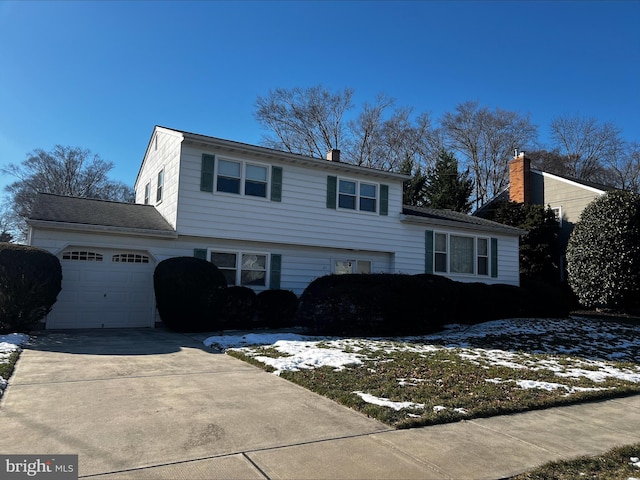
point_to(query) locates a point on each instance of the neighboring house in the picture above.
(566, 196)
(268, 219)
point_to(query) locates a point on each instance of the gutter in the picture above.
(140, 232)
(506, 230)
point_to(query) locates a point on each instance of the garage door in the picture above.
(103, 288)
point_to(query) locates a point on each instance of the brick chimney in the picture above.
(333, 155)
(520, 179)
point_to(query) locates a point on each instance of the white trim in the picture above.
(475, 238)
(357, 195)
(243, 177)
(570, 182)
(238, 269)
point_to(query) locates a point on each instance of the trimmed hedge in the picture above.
(275, 309)
(30, 280)
(395, 304)
(190, 294)
(239, 308)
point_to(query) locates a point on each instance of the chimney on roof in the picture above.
(520, 178)
(333, 155)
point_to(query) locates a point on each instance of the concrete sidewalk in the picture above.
(146, 404)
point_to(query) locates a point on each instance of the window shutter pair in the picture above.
(207, 177)
(428, 254)
(332, 194)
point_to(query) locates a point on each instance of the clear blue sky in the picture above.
(100, 75)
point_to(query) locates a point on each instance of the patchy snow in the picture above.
(9, 344)
(385, 402)
(574, 348)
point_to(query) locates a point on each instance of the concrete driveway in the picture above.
(151, 404)
(130, 399)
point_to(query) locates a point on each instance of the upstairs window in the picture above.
(160, 186)
(242, 178)
(147, 193)
(353, 195)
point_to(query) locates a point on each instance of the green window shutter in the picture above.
(200, 253)
(206, 174)
(428, 251)
(384, 199)
(276, 267)
(332, 190)
(276, 184)
(494, 257)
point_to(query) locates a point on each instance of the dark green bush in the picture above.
(239, 308)
(190, 294)
(30, 280)
(276, 309)
(374, 304)
(389, 304)
(603, 255)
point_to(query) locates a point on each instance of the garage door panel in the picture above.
(103, 294)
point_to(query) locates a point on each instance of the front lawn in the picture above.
(463, 372)
(621, 463)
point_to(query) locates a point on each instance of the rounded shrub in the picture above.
(30, 280)
(276, 308)
(189, 293)
(239, 308)
(603, 255)
(375, 304)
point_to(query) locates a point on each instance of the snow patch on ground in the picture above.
(385, 402)
(9, 344)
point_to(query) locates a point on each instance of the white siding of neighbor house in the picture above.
(163, 153)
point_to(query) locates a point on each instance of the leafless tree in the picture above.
(65, 171)
(487, 139)
(309, 121)
(625, 168)
(590, 146)
(312, 121)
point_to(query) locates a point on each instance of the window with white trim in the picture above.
(461, 254)
(342, 267)
(160, 186)
(147, 193)
(241, 268)
(355, 195)
(242, 178)
(557, 212)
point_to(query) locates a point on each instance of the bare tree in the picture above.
(65, 171)
(308, 121)
(312, 121)
(487, 139)
(590, 146)
(625, 168)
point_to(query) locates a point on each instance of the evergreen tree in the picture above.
(446, 187)
(414, 189)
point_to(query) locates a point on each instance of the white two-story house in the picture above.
(267, 219)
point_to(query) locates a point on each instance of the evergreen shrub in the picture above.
(190, 294)
(30, 280)
(276, 309)
(239, 308)
(603, 255)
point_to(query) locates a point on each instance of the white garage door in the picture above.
(104, 288)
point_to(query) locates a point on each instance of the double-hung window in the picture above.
(242, 178)
(242, 268)
(353, 195)
(147, 193)
(460, 254)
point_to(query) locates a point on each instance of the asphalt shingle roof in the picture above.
(464, 220)
(89, 211)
